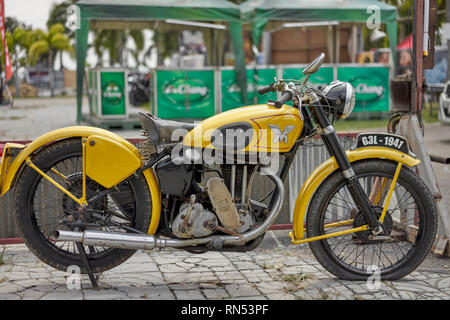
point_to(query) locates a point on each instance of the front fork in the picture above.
(335, 149)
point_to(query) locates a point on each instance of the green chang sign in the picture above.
(231, 93)
(371, 86)
(185, 94)
(112, 93)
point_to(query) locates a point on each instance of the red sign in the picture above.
(8, 67)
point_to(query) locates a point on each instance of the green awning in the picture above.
(260, 12)
(134, 11)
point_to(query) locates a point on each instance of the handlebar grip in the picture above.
(266, 89)
(286, 96)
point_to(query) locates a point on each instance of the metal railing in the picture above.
(308, 157)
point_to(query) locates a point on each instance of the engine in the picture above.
(221, 205)
(194, 221)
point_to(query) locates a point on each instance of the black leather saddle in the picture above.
(164, 131)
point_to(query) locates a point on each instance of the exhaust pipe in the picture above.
(122, 240)
(148, 242)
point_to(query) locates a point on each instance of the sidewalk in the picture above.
(276, 271)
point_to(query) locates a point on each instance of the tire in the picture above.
(338, 254)
(39, 208)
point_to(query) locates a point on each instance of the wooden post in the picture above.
(409, 127)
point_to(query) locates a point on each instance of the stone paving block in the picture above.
(21, 275)
(215, 294)
(102, 294)
(145, 292)
(444, 284)
(223, 268)
(9, 296)
(45, 283)
(241, 290)
(31, 294)
(188, 295)
(136, 267)
(9, 287)
(186, 277)
(413, 286)
(215, 263)
(246, 265)
(159, 293)
(280, 296)
(230, 275)
(171, 268)
(344, 292)
(185, 286)
(271, 287)
(250, 298)
(310, 294)
(67, 295)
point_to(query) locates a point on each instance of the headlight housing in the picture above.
(341, 96)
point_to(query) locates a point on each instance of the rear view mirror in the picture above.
(315, 65)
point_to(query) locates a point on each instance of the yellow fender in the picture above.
(10, 170)
(327, 168)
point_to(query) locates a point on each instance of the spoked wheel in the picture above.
(41, 209)
(409, 227)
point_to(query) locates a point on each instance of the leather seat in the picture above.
(164, 131)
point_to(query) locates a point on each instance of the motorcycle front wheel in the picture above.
(41, 209)
(409, 225)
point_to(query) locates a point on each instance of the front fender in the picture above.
(327, 168)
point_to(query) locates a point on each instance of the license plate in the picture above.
(386, 140)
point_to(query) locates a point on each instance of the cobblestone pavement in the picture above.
(276, 271)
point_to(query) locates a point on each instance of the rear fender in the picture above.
(100, 140)
(10, 175)
(327, 168)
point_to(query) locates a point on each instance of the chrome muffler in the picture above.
(149, 242)
(122, 240)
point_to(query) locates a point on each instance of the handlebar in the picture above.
(285, 97)
(266, 89)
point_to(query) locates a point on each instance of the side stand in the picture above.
(86, 264)
(409, 127)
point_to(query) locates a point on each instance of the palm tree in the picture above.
(49, 44)
(114, 42)
(17, 48)
(16, 34)
(166, 43)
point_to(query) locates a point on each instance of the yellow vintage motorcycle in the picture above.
(87, 197)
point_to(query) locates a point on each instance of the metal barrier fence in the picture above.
(308, 157)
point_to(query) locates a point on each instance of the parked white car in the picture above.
(444, 104)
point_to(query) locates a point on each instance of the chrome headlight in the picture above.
(341, 96)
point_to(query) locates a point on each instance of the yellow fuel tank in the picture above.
(257, 128)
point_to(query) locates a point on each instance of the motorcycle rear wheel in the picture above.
(40, 207)
(409, 226)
